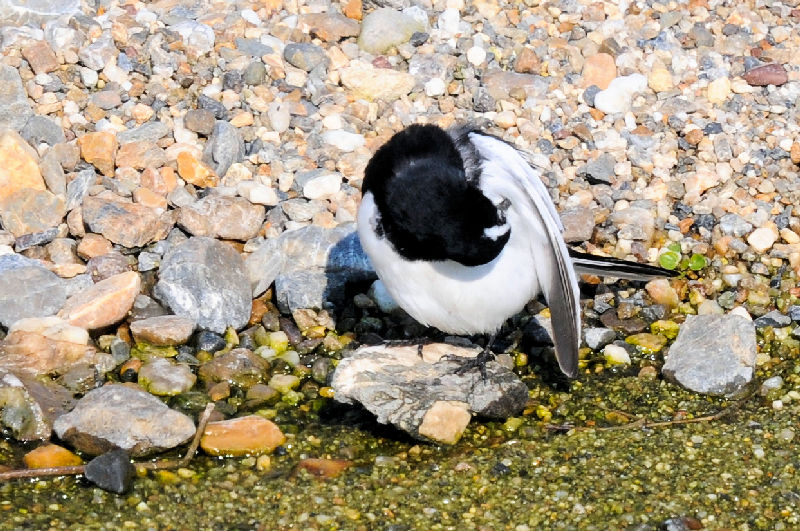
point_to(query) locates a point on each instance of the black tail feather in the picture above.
(607, 266)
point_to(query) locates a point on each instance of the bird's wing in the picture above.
(505, 173)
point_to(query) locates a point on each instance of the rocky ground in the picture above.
(180, 179)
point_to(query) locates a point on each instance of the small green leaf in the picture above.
(669, 260)
(674, 247)
(697, 262)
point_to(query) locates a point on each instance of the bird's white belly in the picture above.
(447, 295)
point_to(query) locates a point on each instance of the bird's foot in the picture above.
(478, 362)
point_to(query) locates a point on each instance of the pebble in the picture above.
(112, 471)
(772, 74)
(762, 239)
(27, 289)
(122, 222)
(377, 83)
(343, 140)
(145, 425)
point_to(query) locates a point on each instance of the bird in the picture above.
(463, 233)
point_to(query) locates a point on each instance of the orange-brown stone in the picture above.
(599, 70)
(40, 56)
(353, 9)
(93, 245)
(20, 167)
(100, 150)
(50, 455)
(249, 435)
(196, 172)
(324, 468)
(527, 62)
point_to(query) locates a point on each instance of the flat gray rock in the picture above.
(713, 354)
(15, 111)
(425, 397)
(224, 147)
(28, 290)
(122, 416)
(206, 281)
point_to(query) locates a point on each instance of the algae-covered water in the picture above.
(556, 466)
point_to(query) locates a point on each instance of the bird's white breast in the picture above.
(452, 297)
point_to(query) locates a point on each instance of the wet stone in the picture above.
(239, 367)
(713, 354)
(206, 281)
(162, 377)
(251, 435)
(209, 341)
(50, 455)
(29, 406)
(425, 397)
(597, 338)
(112, 471)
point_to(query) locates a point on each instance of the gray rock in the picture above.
(15, 111)
(27, 241)
(205, 280)
(578, 224)
(29, 406)
(794, 313)
(28, 290)
(36, 12)
(298, 290)
(200, 121)
(41, 129)
(78, 187)
(713, 354)
(735, 225)
(142, 424)
(425, 397)
(601, 169)
(597, 338)
(333, 253)
(53, 173)
(100, 52)
(162, 377)
(299, 209)
(255, 73)
(305, 56)
(224, 147)
(252, 47)
(774, 319)
(152, 131)
(230, 218)
(385, 28)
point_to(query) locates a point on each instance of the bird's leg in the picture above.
(478, 362)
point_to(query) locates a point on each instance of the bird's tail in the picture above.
(589, 264)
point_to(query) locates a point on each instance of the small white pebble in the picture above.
(476, 55)
(777, 404)
(435, 87)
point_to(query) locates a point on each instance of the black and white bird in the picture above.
(463, 233)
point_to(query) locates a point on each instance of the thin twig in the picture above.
(150, 465)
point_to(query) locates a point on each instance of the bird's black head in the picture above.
(428, 208)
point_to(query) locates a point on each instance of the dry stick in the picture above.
(80, 469)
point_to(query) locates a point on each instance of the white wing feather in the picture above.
(506, 174)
